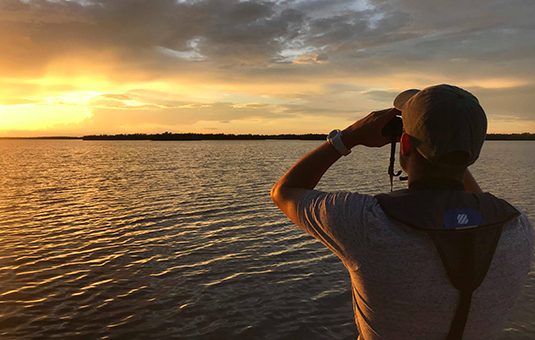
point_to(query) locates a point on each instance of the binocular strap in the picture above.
(466, 256)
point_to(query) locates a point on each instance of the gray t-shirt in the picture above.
(400, 287)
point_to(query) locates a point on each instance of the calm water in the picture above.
(124, 240)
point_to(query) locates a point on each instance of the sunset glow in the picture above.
(110, 66)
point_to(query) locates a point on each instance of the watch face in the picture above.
(333, 133)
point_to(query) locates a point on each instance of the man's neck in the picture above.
(436, 183)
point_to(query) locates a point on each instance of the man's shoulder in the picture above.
(337, 199)
(522, 220)
(344, 209)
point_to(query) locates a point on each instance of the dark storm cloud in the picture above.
(355, 30)
(229, 32)
(319, 8)
(232, 33)
(245, 32)
(476, 28)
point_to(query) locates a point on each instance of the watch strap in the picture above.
(337, 142)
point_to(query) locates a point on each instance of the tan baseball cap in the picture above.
(441, 120)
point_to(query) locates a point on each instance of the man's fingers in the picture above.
(385, 115)
(392, 112)
(383, 112)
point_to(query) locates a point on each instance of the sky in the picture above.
(82, 67)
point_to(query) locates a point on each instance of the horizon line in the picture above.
(131, 136)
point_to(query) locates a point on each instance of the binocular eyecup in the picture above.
(394, 128)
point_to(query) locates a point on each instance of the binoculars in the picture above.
(394, 128)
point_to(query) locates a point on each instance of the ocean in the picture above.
(180, 240)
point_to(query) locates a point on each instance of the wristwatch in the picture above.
(335, 139)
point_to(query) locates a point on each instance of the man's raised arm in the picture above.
(307, 172)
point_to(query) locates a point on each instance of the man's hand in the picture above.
(367, 131)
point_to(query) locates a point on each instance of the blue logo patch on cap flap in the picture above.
(462, 218)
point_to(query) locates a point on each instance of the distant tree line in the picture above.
(168, 136)
(511, 136)
(45, 137)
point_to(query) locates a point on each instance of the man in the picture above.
(440, 260)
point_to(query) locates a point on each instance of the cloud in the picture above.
(117, 96)
(314, 58)
(231, 31)
(18, 101)
(160, 36)
(514, 102)
(382, 96)
(179, 62)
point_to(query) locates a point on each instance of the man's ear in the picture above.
(405, 145)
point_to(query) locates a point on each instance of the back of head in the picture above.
(445, 124)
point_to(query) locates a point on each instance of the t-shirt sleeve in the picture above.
(334, 217)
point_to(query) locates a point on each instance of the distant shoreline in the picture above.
(221, 136)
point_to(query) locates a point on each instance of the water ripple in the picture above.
(136, 240)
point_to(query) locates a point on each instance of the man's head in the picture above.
(444, 124)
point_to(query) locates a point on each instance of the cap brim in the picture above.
(403, 97)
